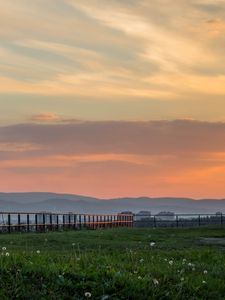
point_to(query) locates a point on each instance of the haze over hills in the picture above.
(75, 203)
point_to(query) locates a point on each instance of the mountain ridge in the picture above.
(54, 202)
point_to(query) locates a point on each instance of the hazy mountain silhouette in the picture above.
(81, 204)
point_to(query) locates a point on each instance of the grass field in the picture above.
(114, 264)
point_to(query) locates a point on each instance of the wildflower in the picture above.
(38, 251)
(182, 279)
(193, 269)
(184, 260)
(155, 281)
(7, 254)
(171, 262)
(204, 282)
(205, 271)
(73, 244)
(152, 244)
(87, 295)
(139, 277)
(141, 260)
(3, 248)
(165, 259)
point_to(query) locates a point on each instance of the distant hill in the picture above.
(34, 202)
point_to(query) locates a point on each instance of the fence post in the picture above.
(57, 222)
(44, 222)
(28, 222)
(9, 223)
(19, 222)
(69, 219)
(50, 221)
(63, 222)
(36, 222)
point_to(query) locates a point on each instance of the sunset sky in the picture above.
(113, 98)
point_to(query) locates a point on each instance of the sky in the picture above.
(112, 98)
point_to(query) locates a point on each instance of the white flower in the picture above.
(7, 254)
(141, 260)
(205, 271)
(182, 279)
(87, 295)
(204, 282)
(165, 259)
(3, 248)
(152, 244)
(139, 277)
(38, 251)
(193, 269)
(155, 281)
(73, 244)
(171, 262)
(184, 260)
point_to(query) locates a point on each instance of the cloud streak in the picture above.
(151, 158)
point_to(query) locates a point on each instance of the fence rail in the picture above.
(45, 221)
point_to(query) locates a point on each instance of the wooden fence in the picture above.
(43, 221)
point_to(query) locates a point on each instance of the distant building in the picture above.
(166, 216)
(219, 213)
(143, 215)
(126, 213)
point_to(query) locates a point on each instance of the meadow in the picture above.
(119, 263)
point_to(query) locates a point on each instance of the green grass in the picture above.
(114, 264)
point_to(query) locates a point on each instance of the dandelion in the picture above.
(3, 248)
(7, 254)
(171, 262)
(152, 244)
(155, 281)
(38, 251)
(205, 272)
(87, 295)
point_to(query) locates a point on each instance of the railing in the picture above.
(178, 220)
(44, 221)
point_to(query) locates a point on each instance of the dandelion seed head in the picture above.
(87, 295)
(155, 281)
